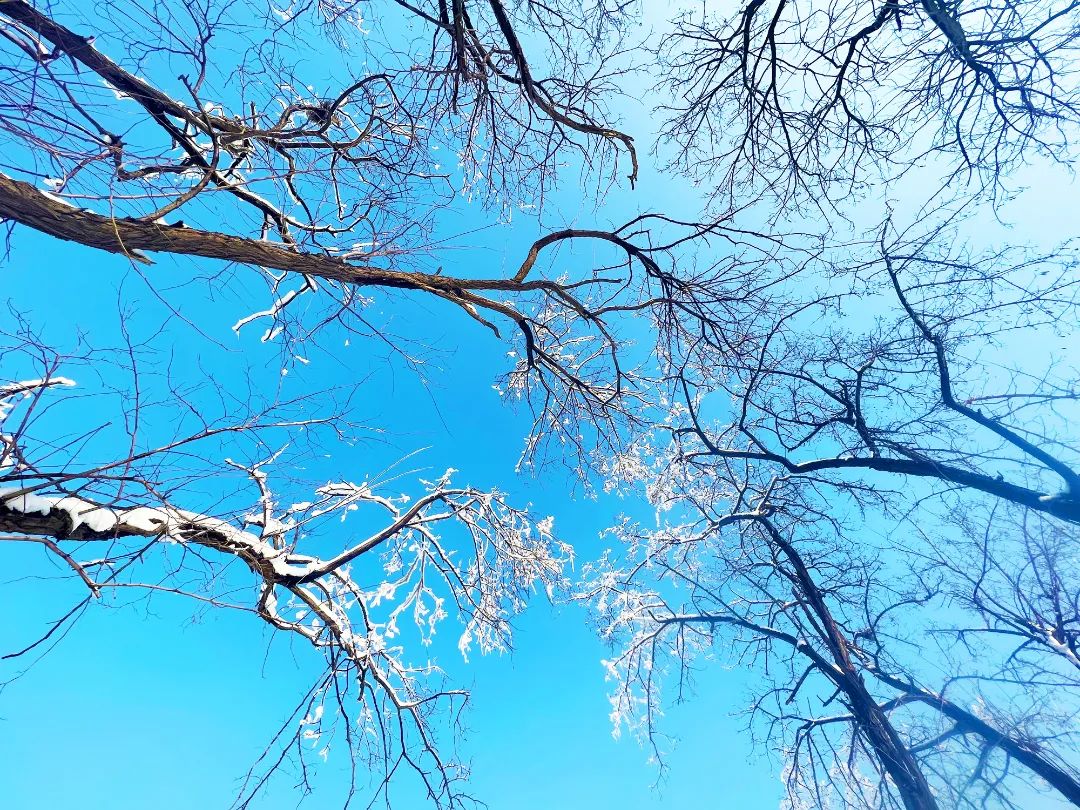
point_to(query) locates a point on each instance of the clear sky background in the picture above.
(143, 705)
(162, 704)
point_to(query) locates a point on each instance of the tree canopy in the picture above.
(743, 274)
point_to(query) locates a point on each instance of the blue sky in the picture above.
(145, 704)
(167, 704)
(164, 704)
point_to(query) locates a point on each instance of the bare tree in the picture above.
(304, 166)
(849, 503)
(858, 725)
(121, 526)
(326, 196)
(832, 403)
(195, 130)
(815, 101)
(1013, 569)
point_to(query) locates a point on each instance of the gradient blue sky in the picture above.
(144, 705)
(147, 706)
(165, 705)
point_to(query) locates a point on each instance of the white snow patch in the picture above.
(97, 518)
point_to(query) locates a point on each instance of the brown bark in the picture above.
(21, 202)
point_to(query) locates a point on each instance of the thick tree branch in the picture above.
(1066, 783)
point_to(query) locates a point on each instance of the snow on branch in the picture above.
(453, 552)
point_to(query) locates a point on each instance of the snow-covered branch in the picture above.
(376, 609)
